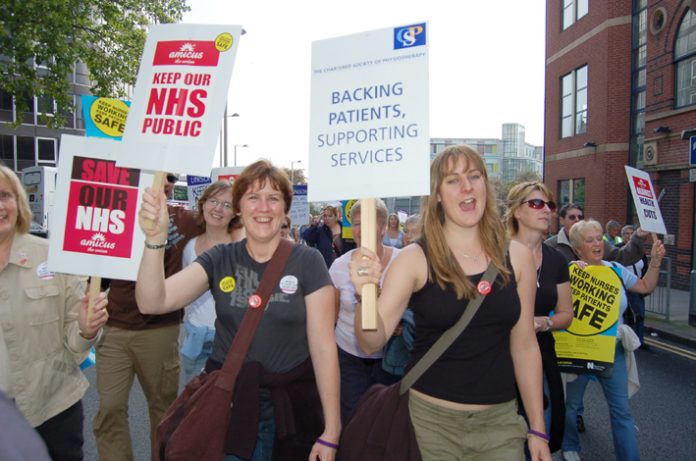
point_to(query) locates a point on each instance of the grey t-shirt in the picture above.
(280, 342)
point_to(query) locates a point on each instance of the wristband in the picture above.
(155, 246)
(321, 441)
(538, 434)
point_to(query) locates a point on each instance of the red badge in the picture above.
(254, 301)
(484, 287)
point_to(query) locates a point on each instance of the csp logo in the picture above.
(409, 36)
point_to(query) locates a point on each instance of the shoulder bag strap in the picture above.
(448, 336)
(257, 307)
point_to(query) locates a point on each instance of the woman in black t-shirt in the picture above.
(530, 210)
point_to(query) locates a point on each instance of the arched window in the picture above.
(685, 60)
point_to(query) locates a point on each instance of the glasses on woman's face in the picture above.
(6, 196)
(285, 226)
(575, 217)
(215, 202)
(538, 204)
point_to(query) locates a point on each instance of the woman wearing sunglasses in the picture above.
(530, 210)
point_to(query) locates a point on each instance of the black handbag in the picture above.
(380, 428)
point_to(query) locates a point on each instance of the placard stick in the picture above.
(94, 287)
(368, 239)
(157, 184)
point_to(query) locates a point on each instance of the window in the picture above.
(574, 103)
(46, 148)
(7, 151)
(685, 57)
(573, 10)
(6, 108)
(571, 191)
(45, 107)
(25, 152)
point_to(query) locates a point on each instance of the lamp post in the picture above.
(292, 171)
(235, 152)
(224, 137)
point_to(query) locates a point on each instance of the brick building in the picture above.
(621, 90)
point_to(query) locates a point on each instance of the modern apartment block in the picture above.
(621, 90)
(32, 143)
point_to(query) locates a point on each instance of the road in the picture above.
(664, 410)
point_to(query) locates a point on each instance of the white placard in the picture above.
(95, 230)
(299, 211)
(369, 115)
(196, 185)
(645, 200)
(229, 173)
(179, 99)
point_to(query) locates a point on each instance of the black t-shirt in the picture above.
(477, 368)
(553, 271)
(280, 342)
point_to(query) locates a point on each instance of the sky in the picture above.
(486, 66)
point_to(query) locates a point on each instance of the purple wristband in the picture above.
(541, 435)
(321, 441)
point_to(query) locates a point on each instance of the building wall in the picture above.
(602, 39)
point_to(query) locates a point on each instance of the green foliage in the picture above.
(107, 35)
(297, 176)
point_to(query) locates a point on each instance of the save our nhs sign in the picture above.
(409, 36)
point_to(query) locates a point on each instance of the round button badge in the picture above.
(484, 287)
(254, 301)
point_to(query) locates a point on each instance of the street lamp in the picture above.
(292, 171)
(235, 152)
(224, 137)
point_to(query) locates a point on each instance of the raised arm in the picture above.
(153, 294)
(525, 350)
(406, 273)
(647, 284)
(322, 347)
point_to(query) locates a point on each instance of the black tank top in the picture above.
(477, 368)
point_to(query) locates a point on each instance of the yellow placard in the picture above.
(109, 116)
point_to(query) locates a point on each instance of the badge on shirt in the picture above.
(484, 287)
(43, 272)
(227, 284)
(288, 284)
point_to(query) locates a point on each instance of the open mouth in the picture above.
(468, 204)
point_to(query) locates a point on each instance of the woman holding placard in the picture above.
(45, 331)
(465, 402)
(586, 239)
(293, 349)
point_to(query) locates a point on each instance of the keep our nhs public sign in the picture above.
(369, 122)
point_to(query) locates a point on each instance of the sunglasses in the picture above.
(172, 178)
(575, 217)
(538, 204)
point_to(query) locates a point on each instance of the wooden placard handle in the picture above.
(368, 232)
(157, 185)
(94, 288)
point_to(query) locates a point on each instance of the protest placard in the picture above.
(104, 117)
(645, 200)
(196, 185)
(226, 174)
(96, 231)
(299, 211)
(369, 115)
(588, 345)
(180, 97)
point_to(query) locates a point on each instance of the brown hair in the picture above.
(23, 211)
(445, 268)
(213, 189)
(517, 196)
(262, 171)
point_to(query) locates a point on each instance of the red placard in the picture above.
(186, 53)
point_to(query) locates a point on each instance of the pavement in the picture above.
(667, 316)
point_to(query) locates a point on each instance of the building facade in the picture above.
(32, 143)
(621, 90)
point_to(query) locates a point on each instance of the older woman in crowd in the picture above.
(44, 329)
(295, 337)
(530, 210)
(586, 238)
(412, 229)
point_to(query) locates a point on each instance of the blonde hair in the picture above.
(24, 215)
(517, 196)
(381, 212)
(445, 270)
(578, 229)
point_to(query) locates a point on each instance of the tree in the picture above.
(297, 176)
(107, 35)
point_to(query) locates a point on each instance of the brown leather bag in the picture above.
(195, 425)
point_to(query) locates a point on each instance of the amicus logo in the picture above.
(409, 36)
(98, 241)
(187, 53)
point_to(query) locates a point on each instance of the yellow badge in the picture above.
(109, 116)
(227, 284)
(223, 42)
